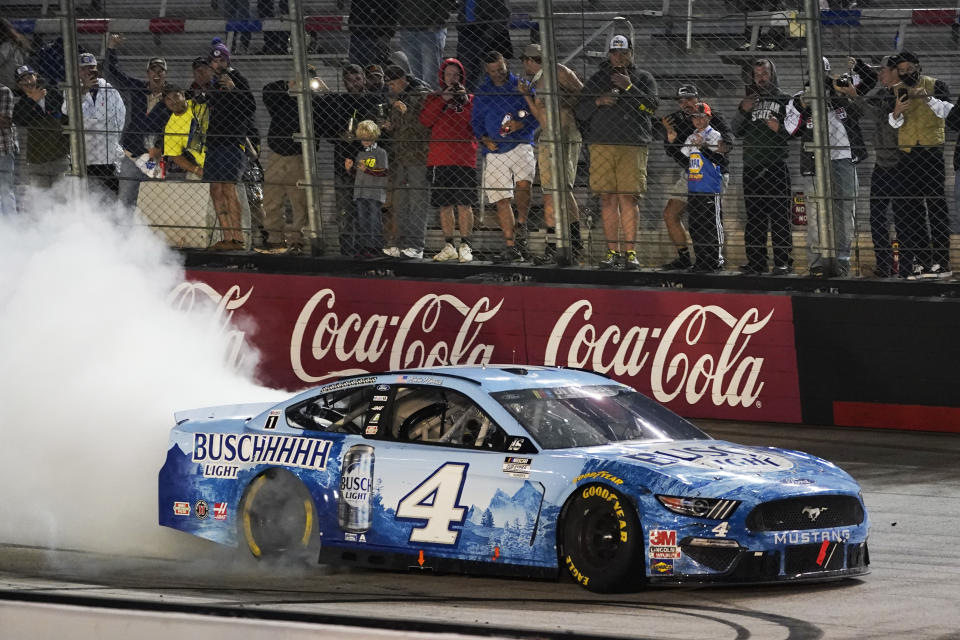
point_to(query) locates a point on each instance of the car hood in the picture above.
(716, 468)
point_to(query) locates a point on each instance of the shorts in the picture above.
(618, 168)
(571, 155)
(679, 189)
(502, 171)
(452, 185)
(224, 163)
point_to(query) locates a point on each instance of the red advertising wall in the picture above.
(705, 355)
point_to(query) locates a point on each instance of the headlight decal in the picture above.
(710, 508)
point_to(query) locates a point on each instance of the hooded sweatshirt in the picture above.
(762, 146)
(626, 122)
(451, 135)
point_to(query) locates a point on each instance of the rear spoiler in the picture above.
(223, 412)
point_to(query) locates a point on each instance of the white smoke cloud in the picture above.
(95, 360)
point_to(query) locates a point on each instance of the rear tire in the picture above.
(601, 545)
(277, 517)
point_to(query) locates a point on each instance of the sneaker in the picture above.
(630, 262)
(752, 270)
(935, 272)
(680, 263)
(818, 271)
(780, 270)
(393, 252)
(914, 273)
(271, 247)
(549, 256)
(613, 260)
(510, 254)
(411, 253)
(227, 245)
(447, 253)
(465, 253)
(744, 47)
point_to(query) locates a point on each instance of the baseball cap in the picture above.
(702, 108)
(395, 73)
(619, 43)
(157, 62)
(374, 69)
(533, 50)
(23, 70)
(688, 91)
(88, 60)
(889, 62)
(907, 56)
(351, 69)
(200, 61)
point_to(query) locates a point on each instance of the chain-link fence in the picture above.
(664, 136)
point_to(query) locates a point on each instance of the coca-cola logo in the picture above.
(730, 376)
(188, 295)
(403, 340)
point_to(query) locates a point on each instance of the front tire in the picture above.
(277, 517)
(601, 545)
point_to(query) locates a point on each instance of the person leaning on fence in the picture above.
(847, 149)
(452, 158)
(616, 108)
(706, 169)
(569, 87)
(285, 170)
(923, 253)
(875, 90)
(231, 110)
(148, 115)
(369, 189)
(8, 153)
(103, 114)
(408, 162)
(38, 110)
(677, 127)
(504, 126)
(766, 177)
(183, 136)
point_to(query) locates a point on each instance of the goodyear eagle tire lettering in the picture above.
(600, 543)
(277, 516)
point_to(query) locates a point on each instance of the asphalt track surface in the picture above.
(911, 485)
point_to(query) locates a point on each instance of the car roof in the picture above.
(503, 377)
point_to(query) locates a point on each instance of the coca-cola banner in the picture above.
(707, 355)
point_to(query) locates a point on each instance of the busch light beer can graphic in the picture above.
(356, 482)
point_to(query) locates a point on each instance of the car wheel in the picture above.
(277, 516)
(600, 541)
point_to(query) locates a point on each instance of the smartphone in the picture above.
(902, 93)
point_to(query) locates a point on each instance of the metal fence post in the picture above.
(68, 29)
(821, 133)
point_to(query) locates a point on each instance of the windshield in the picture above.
(566, 417)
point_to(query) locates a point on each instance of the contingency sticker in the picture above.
(517, 467)
(663, 544)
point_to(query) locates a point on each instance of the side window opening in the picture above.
(444, 417)
(341, 411)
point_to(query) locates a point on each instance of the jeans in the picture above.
(424, 50)
(410, 204)
(369, 225)
(130, 178)
(8, 197)
(844, 184)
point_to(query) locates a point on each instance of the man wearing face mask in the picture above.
(923, 253)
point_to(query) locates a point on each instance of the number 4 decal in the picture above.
(721, 529)
(436, 500)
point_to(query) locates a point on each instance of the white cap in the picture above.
(619, 43)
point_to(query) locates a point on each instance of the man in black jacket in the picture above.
(617, 105)
(677, 128)
(38, 111)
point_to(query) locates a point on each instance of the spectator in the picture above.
(231, 111)
(372, 23)
(875, 90)
(184, 136)
(148, 116)
(408, 162)
(285, 170)
(452, 158)
(951, 115)
(202, 78)
(370, 188)
(482, 26)
(847, 149)
(14, 50)
(422, 32)
(335, 117)
(921, 137)
(38, 110)
(569, 88)
(275, 43)
(103, 114)
(617, 104)
(504, 126)
(374, 79)
(708, 164)
(766, 178)
(8, 153)
(236, 11)
(678, 126)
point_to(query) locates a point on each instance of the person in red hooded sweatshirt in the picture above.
(452, 158)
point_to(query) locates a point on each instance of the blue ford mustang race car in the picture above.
(530, 471)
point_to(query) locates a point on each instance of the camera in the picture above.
(459, 93)
(844, 81)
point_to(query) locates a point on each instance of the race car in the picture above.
(510, 470)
